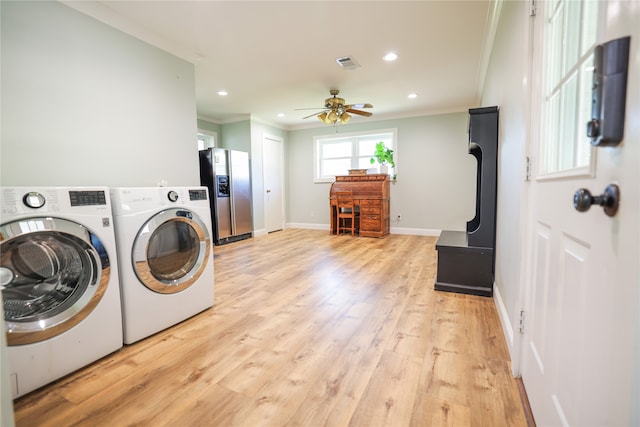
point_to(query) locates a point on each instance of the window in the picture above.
(570, 36)
(336, 155)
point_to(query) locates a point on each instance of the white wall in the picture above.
(436, 182)
(210, 127)
(85, 104)
(506, 86)
(236, 136)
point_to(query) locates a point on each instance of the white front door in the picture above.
(579, 363)
(273, 177)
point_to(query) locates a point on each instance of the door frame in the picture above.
(532, 116)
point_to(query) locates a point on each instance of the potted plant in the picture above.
(384, 157)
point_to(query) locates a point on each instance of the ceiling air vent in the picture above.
(347, 63)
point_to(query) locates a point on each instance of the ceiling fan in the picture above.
(335, 109)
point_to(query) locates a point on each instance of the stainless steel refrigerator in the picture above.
(227, 175)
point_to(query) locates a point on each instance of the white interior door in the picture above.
(579, 365)
(273, 155)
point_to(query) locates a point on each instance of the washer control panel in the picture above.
(87, 198)
(54, 200)
(33, 199)
(173, 196)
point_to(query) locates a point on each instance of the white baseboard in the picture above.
(261, 232)
(393, 230)
(504, 317)
(307, 226)
(415, 231)
(507, 327)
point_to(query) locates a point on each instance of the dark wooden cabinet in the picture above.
(371, 196)
(466, 259)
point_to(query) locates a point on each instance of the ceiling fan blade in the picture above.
(310, 108)
(360, 113)
(358, 106)
(314, 114)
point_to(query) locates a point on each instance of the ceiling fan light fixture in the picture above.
(344, 117)
(336, 109)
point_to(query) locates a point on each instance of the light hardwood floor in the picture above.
(307, 330)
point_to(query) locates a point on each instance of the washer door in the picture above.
(171, 251)
(53, 273)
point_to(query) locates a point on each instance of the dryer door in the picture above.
(171, 251)
(53, 272)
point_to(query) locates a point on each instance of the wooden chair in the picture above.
(347, 217)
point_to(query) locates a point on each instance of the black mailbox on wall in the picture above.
(466, 258)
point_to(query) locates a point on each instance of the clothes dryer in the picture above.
(59, 281)
(163, 235)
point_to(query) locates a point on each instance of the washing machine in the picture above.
(59, 281)
(163, 235)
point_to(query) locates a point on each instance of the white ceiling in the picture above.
(274, 57)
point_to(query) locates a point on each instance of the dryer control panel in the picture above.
(198, 194)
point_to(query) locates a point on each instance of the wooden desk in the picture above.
(371, 197)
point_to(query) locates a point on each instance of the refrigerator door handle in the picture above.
(232, 197)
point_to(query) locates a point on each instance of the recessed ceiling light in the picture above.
(223, 93)
(280, 114)
(391, 56)
(412, 96)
